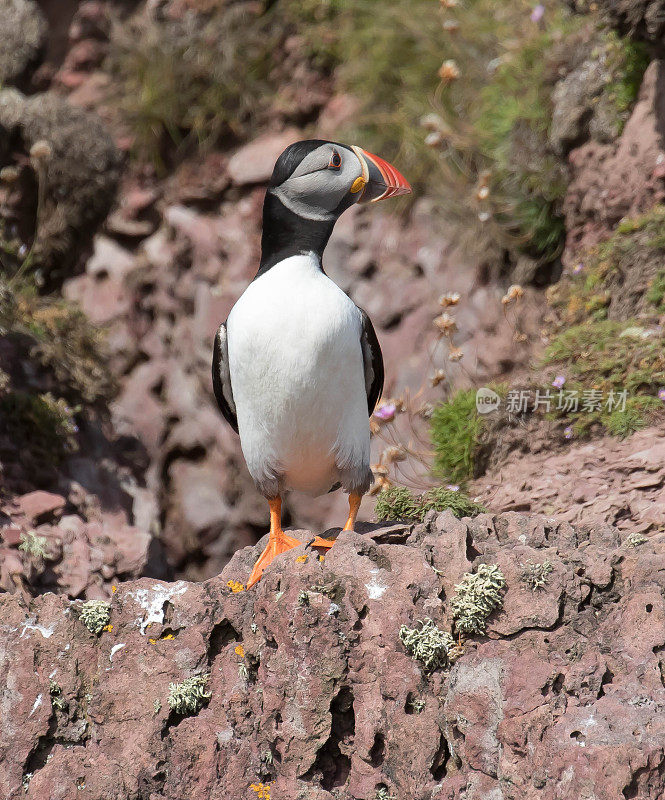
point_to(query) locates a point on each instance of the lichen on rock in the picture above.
(95, 615)
(428, 644)
(189, 696)
(478, 595)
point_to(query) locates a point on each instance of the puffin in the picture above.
(297, 369)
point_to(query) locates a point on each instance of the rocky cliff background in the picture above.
(136, 140)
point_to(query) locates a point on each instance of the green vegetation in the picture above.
(610, 357)
(69, 354)
(428, 644)
(635, 249)
(478, 594)
(458, 94)
(455, 427)
(628, 62)
(41, 422)
(656, 293)
(95, 615)
(397, 503)
(57, 700)
(634, 540)
(190, 696)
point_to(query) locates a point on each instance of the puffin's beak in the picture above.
(379, 178)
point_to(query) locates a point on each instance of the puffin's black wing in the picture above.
(221, 378)
(372, 362)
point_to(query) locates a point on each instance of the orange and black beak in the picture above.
(379, 179)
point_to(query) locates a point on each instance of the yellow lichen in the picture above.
(262, 790)
(235, 586)
(301, 559)
(240, 651)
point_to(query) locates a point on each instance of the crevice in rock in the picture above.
(471, 552)
(222, 633)
(331, 764)
(376, 754)
(362, 614)
(607, 678)
(439, 766)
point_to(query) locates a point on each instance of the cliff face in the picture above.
(311, 693)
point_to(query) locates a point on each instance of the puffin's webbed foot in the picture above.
(354, 505)
(279, 542)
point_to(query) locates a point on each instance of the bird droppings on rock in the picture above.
(95, 615)
(153, 601)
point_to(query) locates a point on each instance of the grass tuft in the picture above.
(397, 503)
(455, 427)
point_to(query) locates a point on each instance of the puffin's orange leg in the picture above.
(279, 542)
(354, 505)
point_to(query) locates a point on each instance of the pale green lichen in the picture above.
(95, 615)
(535, 576)
(190, 696)
(157, 706)
(303, 598)
(428, 644)
(635, 540)
(57, 700)
(383, 794)
(415, 706)
(33, 545)
(478, 594)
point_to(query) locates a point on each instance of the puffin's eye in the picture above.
(335, 160)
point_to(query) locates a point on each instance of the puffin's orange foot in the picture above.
(319, 542)
(279, 542)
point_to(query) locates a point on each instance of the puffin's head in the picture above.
(319, 180)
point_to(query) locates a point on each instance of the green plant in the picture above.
(95, 615)
(189, 697)
(477, 595)
(41, 422)
(610, 358)
(656, 293)
(397, 503)
(455, 426)
(428, 644)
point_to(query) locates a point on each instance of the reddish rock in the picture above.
(610, 181)
(39, 506)
(609, 480)
(314, 695)
(254, 162)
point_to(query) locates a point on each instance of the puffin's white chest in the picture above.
(297, 375)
